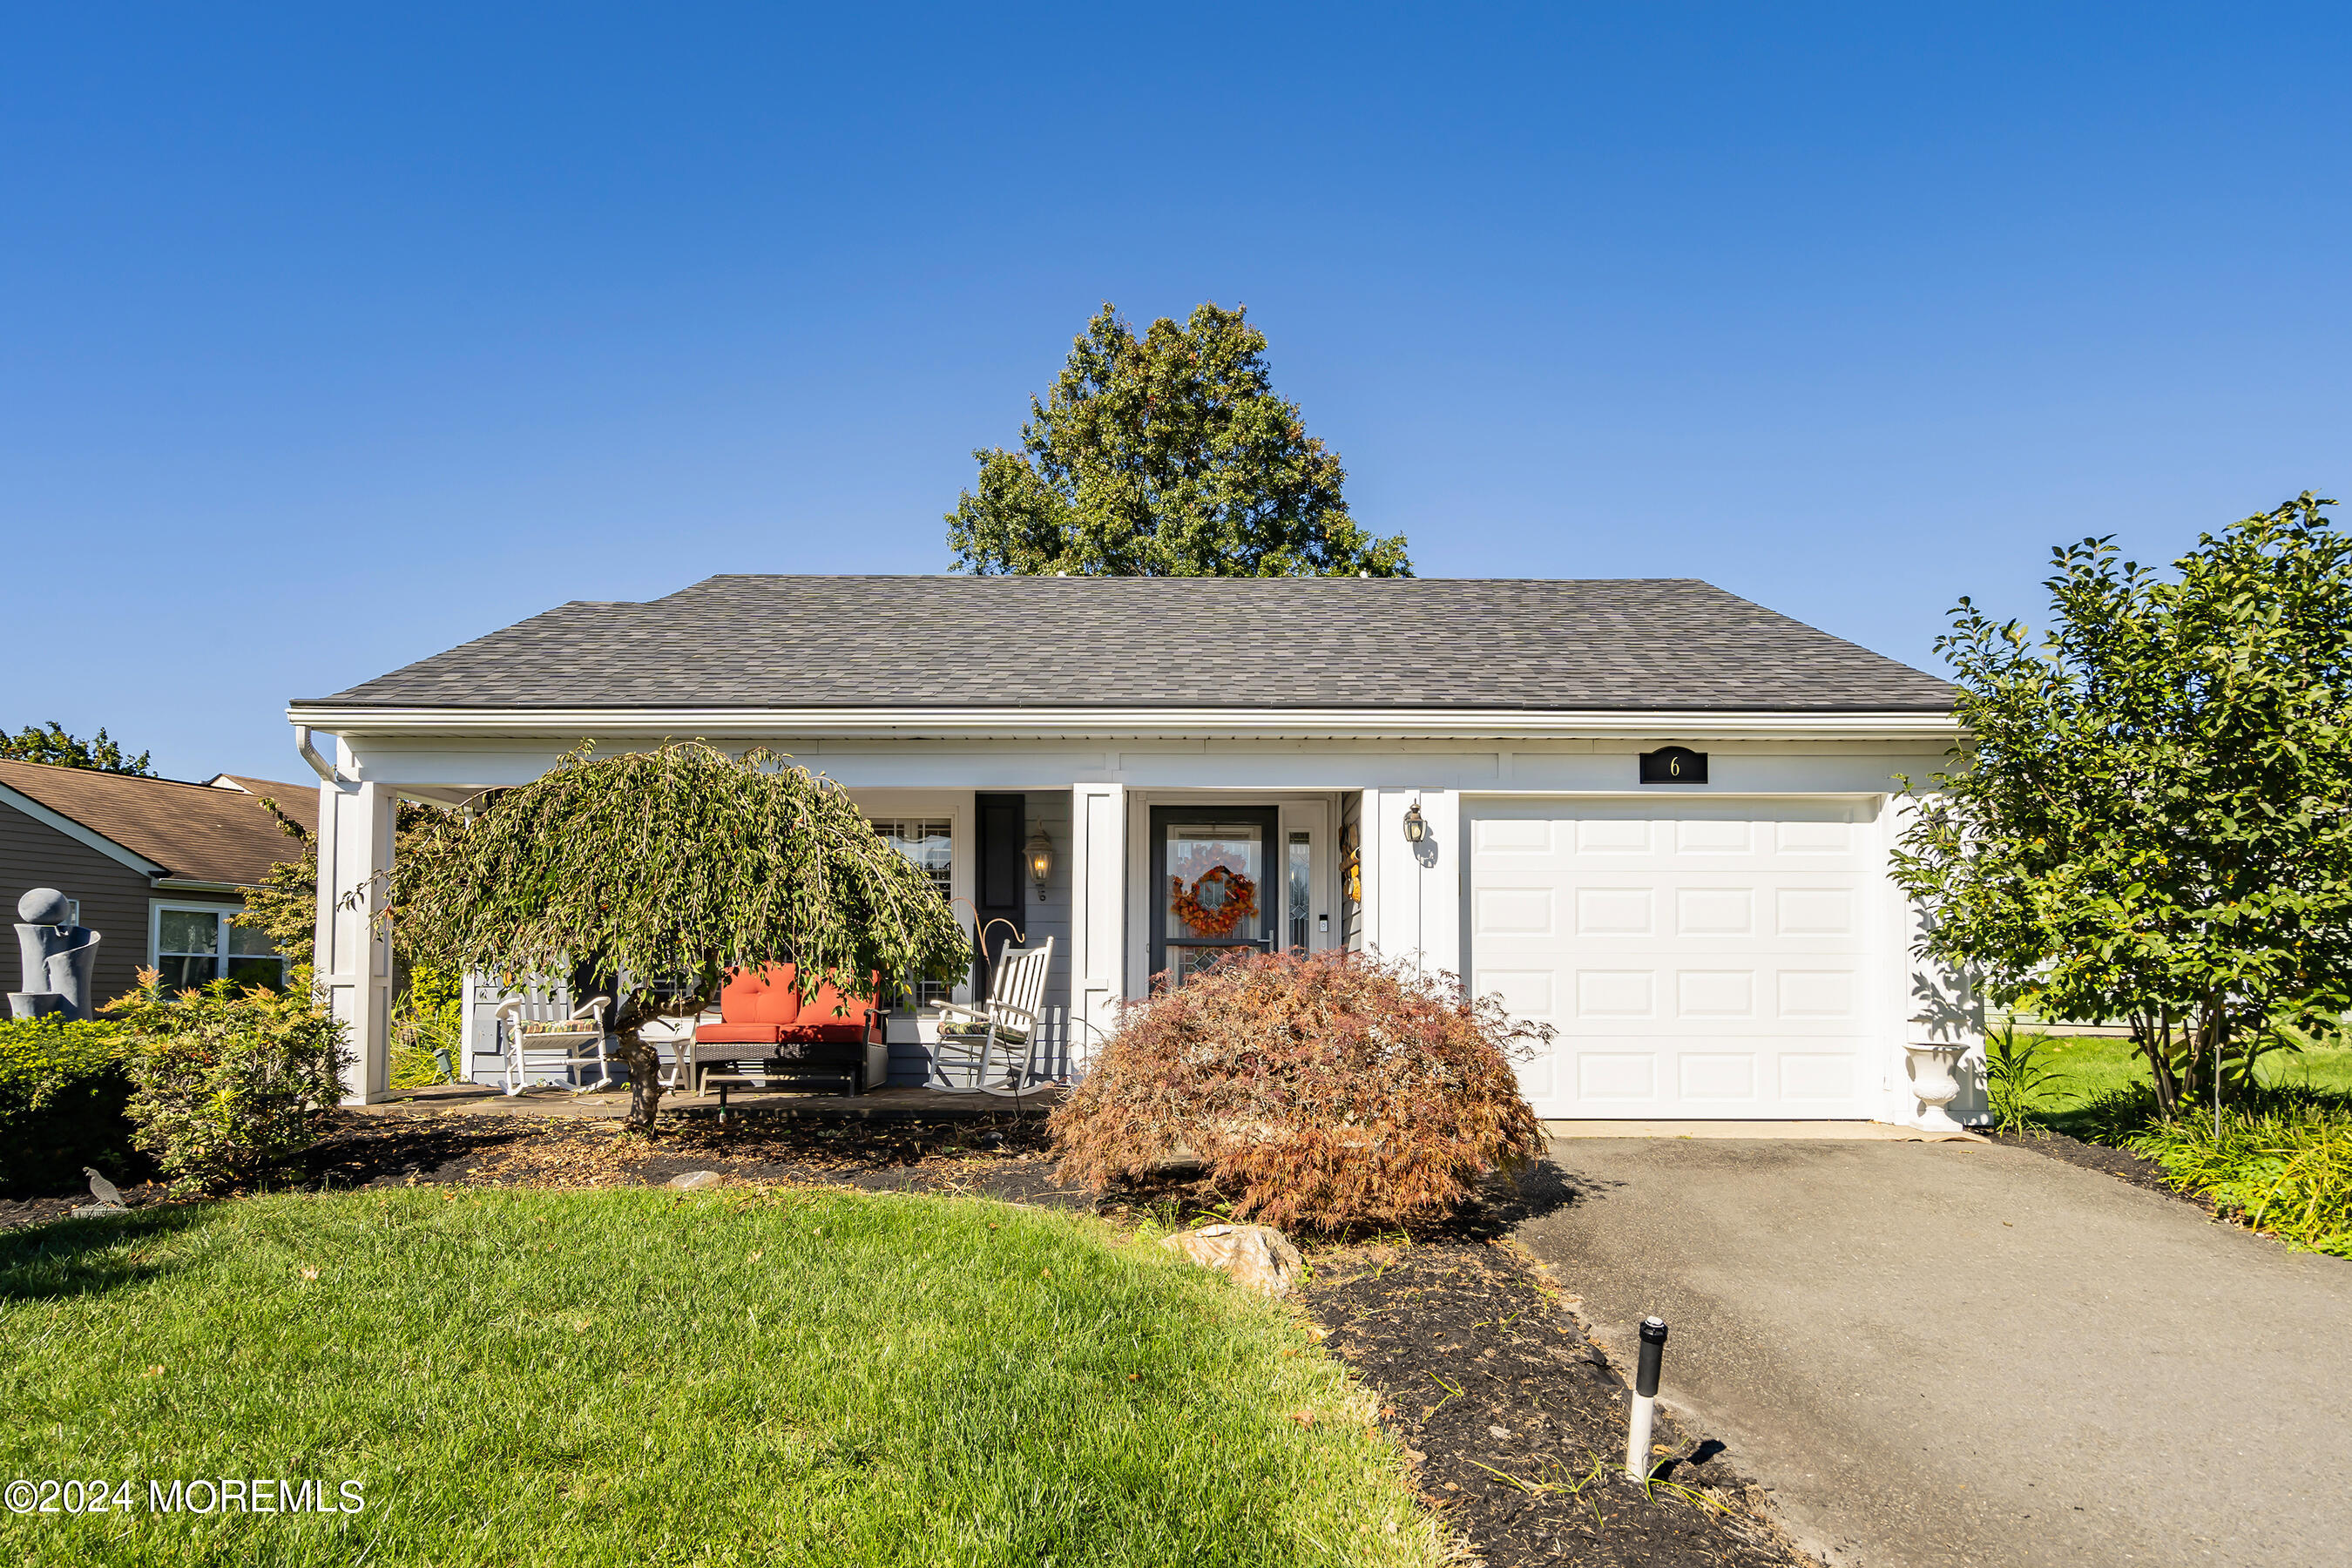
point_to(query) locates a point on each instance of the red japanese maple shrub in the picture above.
(1322, 1090)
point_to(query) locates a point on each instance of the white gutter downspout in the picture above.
(319, 765)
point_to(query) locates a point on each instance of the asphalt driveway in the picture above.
(1941, 1354)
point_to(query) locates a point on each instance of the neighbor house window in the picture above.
(929, 842)
(197, 947)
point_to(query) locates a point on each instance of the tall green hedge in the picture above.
(63, 1089)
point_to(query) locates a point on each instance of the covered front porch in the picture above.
(1107, 871)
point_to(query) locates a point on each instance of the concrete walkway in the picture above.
(1963, 1353)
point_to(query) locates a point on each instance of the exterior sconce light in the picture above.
(1041, 862)
(1415, 829)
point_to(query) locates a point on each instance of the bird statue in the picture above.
(108, 1195)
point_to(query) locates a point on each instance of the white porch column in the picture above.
(1098, 911)
(1412, 892)
(353, 959)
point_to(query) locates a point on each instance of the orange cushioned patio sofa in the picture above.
(767, 1030)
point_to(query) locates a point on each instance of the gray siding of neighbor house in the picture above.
(113, 898)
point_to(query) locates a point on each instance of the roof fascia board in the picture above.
(73, 830)
(1077, 723)
(190, 884)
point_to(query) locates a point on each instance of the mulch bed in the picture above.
(1514, 1421)
(1001, 1158)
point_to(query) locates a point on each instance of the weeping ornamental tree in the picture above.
(661, 871)
(2155, 820)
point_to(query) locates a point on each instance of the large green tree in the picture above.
(1167, 454)
(665, 870)
(33, 743)
(2154, 823)
(285, 905)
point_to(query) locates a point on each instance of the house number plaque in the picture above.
(1674, 765)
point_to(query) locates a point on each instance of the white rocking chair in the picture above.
(1000, 1035)
(538, 1029)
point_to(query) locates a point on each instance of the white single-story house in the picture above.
(1647, 813)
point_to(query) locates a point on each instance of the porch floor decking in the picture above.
(899, 1103)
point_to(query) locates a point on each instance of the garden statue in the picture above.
(58, 957)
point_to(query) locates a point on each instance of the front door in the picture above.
(1214, 893)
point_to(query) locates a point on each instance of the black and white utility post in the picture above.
(1645, 1401)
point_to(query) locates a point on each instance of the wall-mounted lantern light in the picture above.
(1415, 829)
(1041, 862)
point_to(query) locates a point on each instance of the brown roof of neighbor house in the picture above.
(197, 833)
(284, 793)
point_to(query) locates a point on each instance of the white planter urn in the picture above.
(1935, 1083)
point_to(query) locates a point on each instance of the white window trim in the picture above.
(156, 908)
(1312, 817)
(955, 807)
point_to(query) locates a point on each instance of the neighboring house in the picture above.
(1648, 814)
(157, 865)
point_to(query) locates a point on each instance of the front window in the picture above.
(1302, 861)
(197, 947)
(929, 842)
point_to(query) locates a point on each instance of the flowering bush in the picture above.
(229, 1081)
(62, 1090)
(1326, 1088)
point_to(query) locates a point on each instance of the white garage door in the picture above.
(1701, 957)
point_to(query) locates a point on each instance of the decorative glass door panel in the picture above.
(1217, 885)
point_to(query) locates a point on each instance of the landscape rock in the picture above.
(1256, 1256)
(689, 1181)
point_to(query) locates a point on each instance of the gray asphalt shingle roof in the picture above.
(1284, 642)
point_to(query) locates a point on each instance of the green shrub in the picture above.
(2018, 1077)
(229, 1081)
(2282, 1164)
(1327, 1089)
(427, 1028)
(62, 1093)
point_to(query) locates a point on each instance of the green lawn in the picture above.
(641, 1377)
(2096, 1067)
(2282, 1161)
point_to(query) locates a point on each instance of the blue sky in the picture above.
(328, 340)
